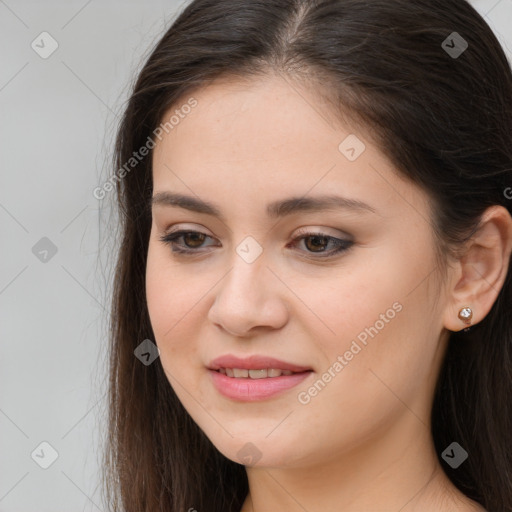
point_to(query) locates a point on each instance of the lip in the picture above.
(252, 390)
(255, 362)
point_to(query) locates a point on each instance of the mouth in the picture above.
(255, 366)
(255, 378)
(264, 373)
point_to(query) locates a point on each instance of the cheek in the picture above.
(174, 306)
(376, 316)
(356, 300)
(167, 298)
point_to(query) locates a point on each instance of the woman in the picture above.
(311, 301)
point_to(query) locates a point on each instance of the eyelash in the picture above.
(341, 245)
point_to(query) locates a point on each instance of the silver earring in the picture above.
(466, 314)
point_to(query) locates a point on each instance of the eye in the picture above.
(192, 239)
(315, 242)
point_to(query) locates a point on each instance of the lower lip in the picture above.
(251, 390)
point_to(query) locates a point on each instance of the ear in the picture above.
(481, 271)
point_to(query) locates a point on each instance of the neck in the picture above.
(397, 472)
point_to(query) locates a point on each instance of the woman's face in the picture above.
(366, 321)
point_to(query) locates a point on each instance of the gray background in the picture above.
(58, 118)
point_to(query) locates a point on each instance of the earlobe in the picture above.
(482, 270)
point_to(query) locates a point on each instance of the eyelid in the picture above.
(315, 230)
(186, 227)
(309, 230)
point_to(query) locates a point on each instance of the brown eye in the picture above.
(317, 242)
(190, 242)
(184, 242)
(193, 239)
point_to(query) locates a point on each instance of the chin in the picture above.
(258, 452)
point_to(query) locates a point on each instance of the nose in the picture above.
(249, 298)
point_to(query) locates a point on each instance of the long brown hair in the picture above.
(442, 112)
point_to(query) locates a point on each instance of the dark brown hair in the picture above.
(444, 120)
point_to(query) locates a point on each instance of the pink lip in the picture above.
(251, 390)
(254, 362)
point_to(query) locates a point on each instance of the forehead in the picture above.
(267, 136)
(267, 117)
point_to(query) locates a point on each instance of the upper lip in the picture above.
(255, 362)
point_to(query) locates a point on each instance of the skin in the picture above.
(363, 442)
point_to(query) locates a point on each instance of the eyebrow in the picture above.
(276, 209)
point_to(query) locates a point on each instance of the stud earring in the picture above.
(466, 314)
